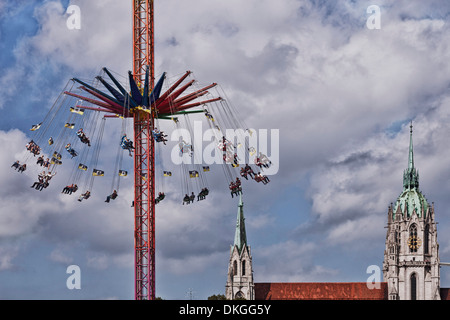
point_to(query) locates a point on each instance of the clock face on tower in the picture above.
(414, 243)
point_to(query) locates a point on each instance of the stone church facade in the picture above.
(411, 259)
(240, 271)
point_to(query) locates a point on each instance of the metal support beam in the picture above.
(144, 157)
(143, 40)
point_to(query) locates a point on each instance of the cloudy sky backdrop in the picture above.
(342, 97)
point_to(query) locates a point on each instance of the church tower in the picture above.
(411, 257)
(240, 272)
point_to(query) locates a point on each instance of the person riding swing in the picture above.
(160, 197)
(85, 195)
(159, 136)
(16, 165)
(112, 196)
(83, 137)
(186, 199)
(71, 151)
(127, 144)
(202, 195)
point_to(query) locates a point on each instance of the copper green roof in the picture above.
(411, 198)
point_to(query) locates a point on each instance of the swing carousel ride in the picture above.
(71, 136)
(73, 131)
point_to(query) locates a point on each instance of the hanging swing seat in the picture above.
(185, 148)
(112, 196)
(193, 174)
(186, 199)
(77, 110)
(35, 127)
(235, 189)
(123, 173)
(55, 161)
(263, 161)
(57, 155)
(70, 189)
(247, 171)
(261, 178)
(98, 173)
(85, 196)
(225, 145)
(202, 195)
(126, 143)
(160, 197)
(159, 136)
(209, 115)
(83, 138)
(33, 148)
(71, 150)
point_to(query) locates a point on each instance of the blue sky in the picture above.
(341, 96)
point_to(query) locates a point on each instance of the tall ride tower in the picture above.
(144, 157)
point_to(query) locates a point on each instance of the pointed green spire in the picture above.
(411, 152)
(411, 199)
(240, 237)
(410, 176)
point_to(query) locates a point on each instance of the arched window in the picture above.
(239, 296)
(413, 287)
(243, 267)
(235, 268)
(426, 240)
(412, 241)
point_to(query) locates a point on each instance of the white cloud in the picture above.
(332, 87)
(59, 218)
(97, 261)
(362, 229)
(104, 37)
(288, 261)
(192, 264)
(352, 194)
(58, 255)
(7, 255)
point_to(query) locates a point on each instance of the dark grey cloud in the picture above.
(341, 95)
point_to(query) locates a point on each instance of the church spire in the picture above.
(240, 237)
(411, 255)
(240, 283)
(411, 152)
(410, 176)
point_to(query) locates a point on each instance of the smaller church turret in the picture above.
(240, 271)
(411, 257)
